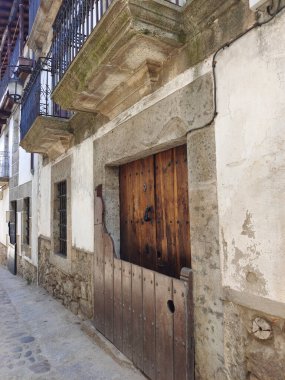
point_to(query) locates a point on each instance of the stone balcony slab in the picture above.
(4, 181)
(50, 136)
(120, 61)
(41, 33)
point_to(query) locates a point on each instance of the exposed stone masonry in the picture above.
(72, 289)
(27, 270)
(3, 255)
(254, 344)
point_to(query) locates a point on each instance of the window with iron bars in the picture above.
(62, 217)
(26, 221)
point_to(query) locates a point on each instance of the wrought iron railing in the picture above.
(36, 99)
(4, 165)
(74, 23)
(10, 68)
(33, 9)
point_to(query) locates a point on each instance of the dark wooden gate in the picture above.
(147, 314)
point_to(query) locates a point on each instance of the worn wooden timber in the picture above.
(146, 314)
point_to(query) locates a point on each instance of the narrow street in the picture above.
(40, 339)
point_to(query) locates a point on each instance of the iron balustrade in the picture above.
(74, 23)
(36, 99)
(4, 165)
(10, 69)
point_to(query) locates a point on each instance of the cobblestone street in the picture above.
(40, 339)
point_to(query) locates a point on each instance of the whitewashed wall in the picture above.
(24, 167)
(4, 195)
(11, 134)
(250, 138)
(44, 194)
(82, 197)
(2, 140)
(35, 212)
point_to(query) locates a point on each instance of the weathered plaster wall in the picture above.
(251, 177)
(10, 257)
(10, 127)
(35, 211)
(44, 195)
(250, 161)
(82, 196)
(61, 171)
(2, 140)
(4, 191)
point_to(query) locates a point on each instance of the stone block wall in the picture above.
(254, 344)
(74, 288)
(265, 350)
(3, 255)
(27, 270)
(205, 257)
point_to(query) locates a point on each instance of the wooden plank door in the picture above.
(155, 230)
(172, 211)
(146, 314)
(138, 236)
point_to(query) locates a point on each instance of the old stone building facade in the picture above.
(149, 143)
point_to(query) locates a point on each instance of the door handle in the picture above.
(147, 216)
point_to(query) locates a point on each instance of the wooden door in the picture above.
(146, 314)
(154, 211)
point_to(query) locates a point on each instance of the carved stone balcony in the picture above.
(120, 61)
(43, 14)
(48, 135)
(44, 125)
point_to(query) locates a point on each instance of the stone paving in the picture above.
(40, 339)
